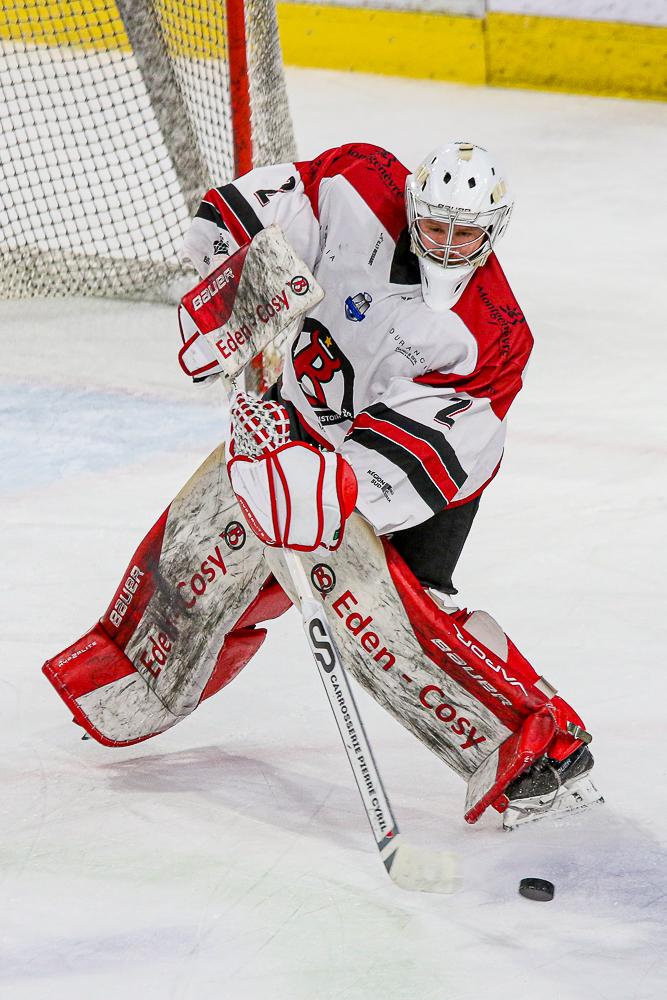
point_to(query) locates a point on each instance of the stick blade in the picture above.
(419, 870)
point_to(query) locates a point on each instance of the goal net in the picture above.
(117, 116)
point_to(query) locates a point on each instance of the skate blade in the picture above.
(580, 794)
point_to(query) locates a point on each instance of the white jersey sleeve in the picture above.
(231, 215)
(420, 449)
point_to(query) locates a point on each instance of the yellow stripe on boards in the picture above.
(89, 24)
(395, 43)
(594, 57)
(503, 50)
(590, 57)
(195, 30)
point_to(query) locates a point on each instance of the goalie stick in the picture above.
(410, 867)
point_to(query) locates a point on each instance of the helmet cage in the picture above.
(447, 254)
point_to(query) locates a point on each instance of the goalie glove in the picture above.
(295, 496)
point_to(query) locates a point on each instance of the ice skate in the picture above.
(551, 788)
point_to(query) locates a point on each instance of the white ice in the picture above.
(230, 858)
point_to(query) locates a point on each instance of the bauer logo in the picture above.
(124, 596)
(212, 288)
(470, 669)
(356, 306)
(480, 653)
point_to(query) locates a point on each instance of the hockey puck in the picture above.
(536, 888)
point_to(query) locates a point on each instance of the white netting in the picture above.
(116, 118)
(259, 425)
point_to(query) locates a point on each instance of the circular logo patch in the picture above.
(299, 285)
(235, 535)
(323, 578)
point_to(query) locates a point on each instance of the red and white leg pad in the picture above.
(182, 622)
(519, 751)
(452, 679)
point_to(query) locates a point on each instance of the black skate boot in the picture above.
(551, 787)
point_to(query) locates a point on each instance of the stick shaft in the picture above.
(343, 705)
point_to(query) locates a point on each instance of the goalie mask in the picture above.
(458, 208)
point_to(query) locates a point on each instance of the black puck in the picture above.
(536, 888)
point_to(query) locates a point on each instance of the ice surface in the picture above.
(230, 858)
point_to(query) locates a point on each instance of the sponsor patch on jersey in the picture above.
(356, 306)
(377, 246)
(413, 354)
(381, 484)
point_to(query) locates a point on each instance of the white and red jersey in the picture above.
(415, 400)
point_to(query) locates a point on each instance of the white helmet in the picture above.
(458, 207)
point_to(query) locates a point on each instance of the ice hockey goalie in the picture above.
(395, 390)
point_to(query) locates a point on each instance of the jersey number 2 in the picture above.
(457, 405)
(263, 196)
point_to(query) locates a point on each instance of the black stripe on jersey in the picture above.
(417, 475)
(437, 440)
(404, 265)
(241, 209)
(211, 214)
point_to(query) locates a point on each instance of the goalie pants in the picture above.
(431, 549)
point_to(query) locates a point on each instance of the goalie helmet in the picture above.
(458, 208)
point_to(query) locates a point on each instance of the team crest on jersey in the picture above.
(324, 373)
(356, 306)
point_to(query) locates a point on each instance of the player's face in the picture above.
(463, 241)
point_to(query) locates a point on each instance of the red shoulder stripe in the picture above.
(424, 452)
(372, 171)
(504, 341)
